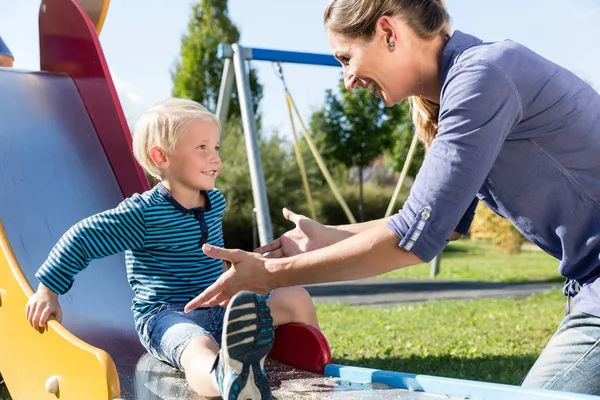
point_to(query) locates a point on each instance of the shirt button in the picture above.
(425, 214)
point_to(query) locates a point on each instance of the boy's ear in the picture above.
(159, 157)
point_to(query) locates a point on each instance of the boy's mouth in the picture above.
(212, 172)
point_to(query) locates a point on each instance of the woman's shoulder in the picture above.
(512, 59)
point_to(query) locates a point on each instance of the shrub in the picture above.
(491, 227)
(375, 203)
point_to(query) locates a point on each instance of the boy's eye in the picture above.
(202, 147)
(218, 148)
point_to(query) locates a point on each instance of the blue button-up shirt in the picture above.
(521, 134)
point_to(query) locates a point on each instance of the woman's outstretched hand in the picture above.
(308, 235)
(248, 272)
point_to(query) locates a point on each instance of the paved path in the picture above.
(387, 292)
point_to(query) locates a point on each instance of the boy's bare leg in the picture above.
(292, 305)
(197, 359)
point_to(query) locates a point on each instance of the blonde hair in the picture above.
(162, 125)
(357, 19)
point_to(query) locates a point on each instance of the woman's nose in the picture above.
(350, 80)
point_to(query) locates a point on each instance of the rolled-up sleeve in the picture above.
(479, 108)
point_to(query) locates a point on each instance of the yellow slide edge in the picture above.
(31, 360)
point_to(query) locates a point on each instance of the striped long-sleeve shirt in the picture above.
(162, 242)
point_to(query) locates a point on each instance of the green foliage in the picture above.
(282, 181)
(4, 395)
(376, 200)
(354, 129)
(489, 226)
(197, 73)
(401, 140)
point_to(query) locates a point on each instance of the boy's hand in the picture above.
(41, 305)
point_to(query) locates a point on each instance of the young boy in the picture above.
(162, 231)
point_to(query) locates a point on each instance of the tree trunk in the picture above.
(361, 215)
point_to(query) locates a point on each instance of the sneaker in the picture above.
(247, 340)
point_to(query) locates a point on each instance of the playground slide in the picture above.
(53, 172)
(65, 154)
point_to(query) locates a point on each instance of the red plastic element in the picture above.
(301, 346)
(69, 44)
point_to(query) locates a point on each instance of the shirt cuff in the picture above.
(416, 241)
(53, 278)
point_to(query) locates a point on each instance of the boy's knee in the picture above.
(298, 296)
(299, 305)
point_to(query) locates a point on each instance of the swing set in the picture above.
(234, 69)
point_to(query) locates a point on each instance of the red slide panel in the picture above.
(69, 45)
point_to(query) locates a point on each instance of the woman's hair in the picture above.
(162, 125)
(357, 19)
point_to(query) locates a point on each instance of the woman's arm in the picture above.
(368, 253)
(341, 232)
(336, 233)
(365, 254)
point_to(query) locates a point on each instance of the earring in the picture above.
(392, 44)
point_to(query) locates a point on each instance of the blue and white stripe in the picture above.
(162, 244)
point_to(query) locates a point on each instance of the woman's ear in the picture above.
(386, 30)
(159, 157)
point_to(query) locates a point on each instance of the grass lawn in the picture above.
(481, 261)
(494, 340)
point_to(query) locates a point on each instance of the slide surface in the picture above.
(53, 172)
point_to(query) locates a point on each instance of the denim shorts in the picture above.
(169, 330)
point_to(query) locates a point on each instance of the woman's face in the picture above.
(390, 72)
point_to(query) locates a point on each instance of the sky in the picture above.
(141, 42)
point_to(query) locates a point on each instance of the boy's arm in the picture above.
(98, 236)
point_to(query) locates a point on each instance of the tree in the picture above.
(401, 140)
(197, 73)
(353, 130)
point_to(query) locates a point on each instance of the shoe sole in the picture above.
(247, 339)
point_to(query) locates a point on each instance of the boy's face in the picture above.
(195, 160)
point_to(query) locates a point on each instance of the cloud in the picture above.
(129, 98)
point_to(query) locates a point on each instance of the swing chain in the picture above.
(279, 72)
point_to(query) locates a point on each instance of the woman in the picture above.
(500, 124)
